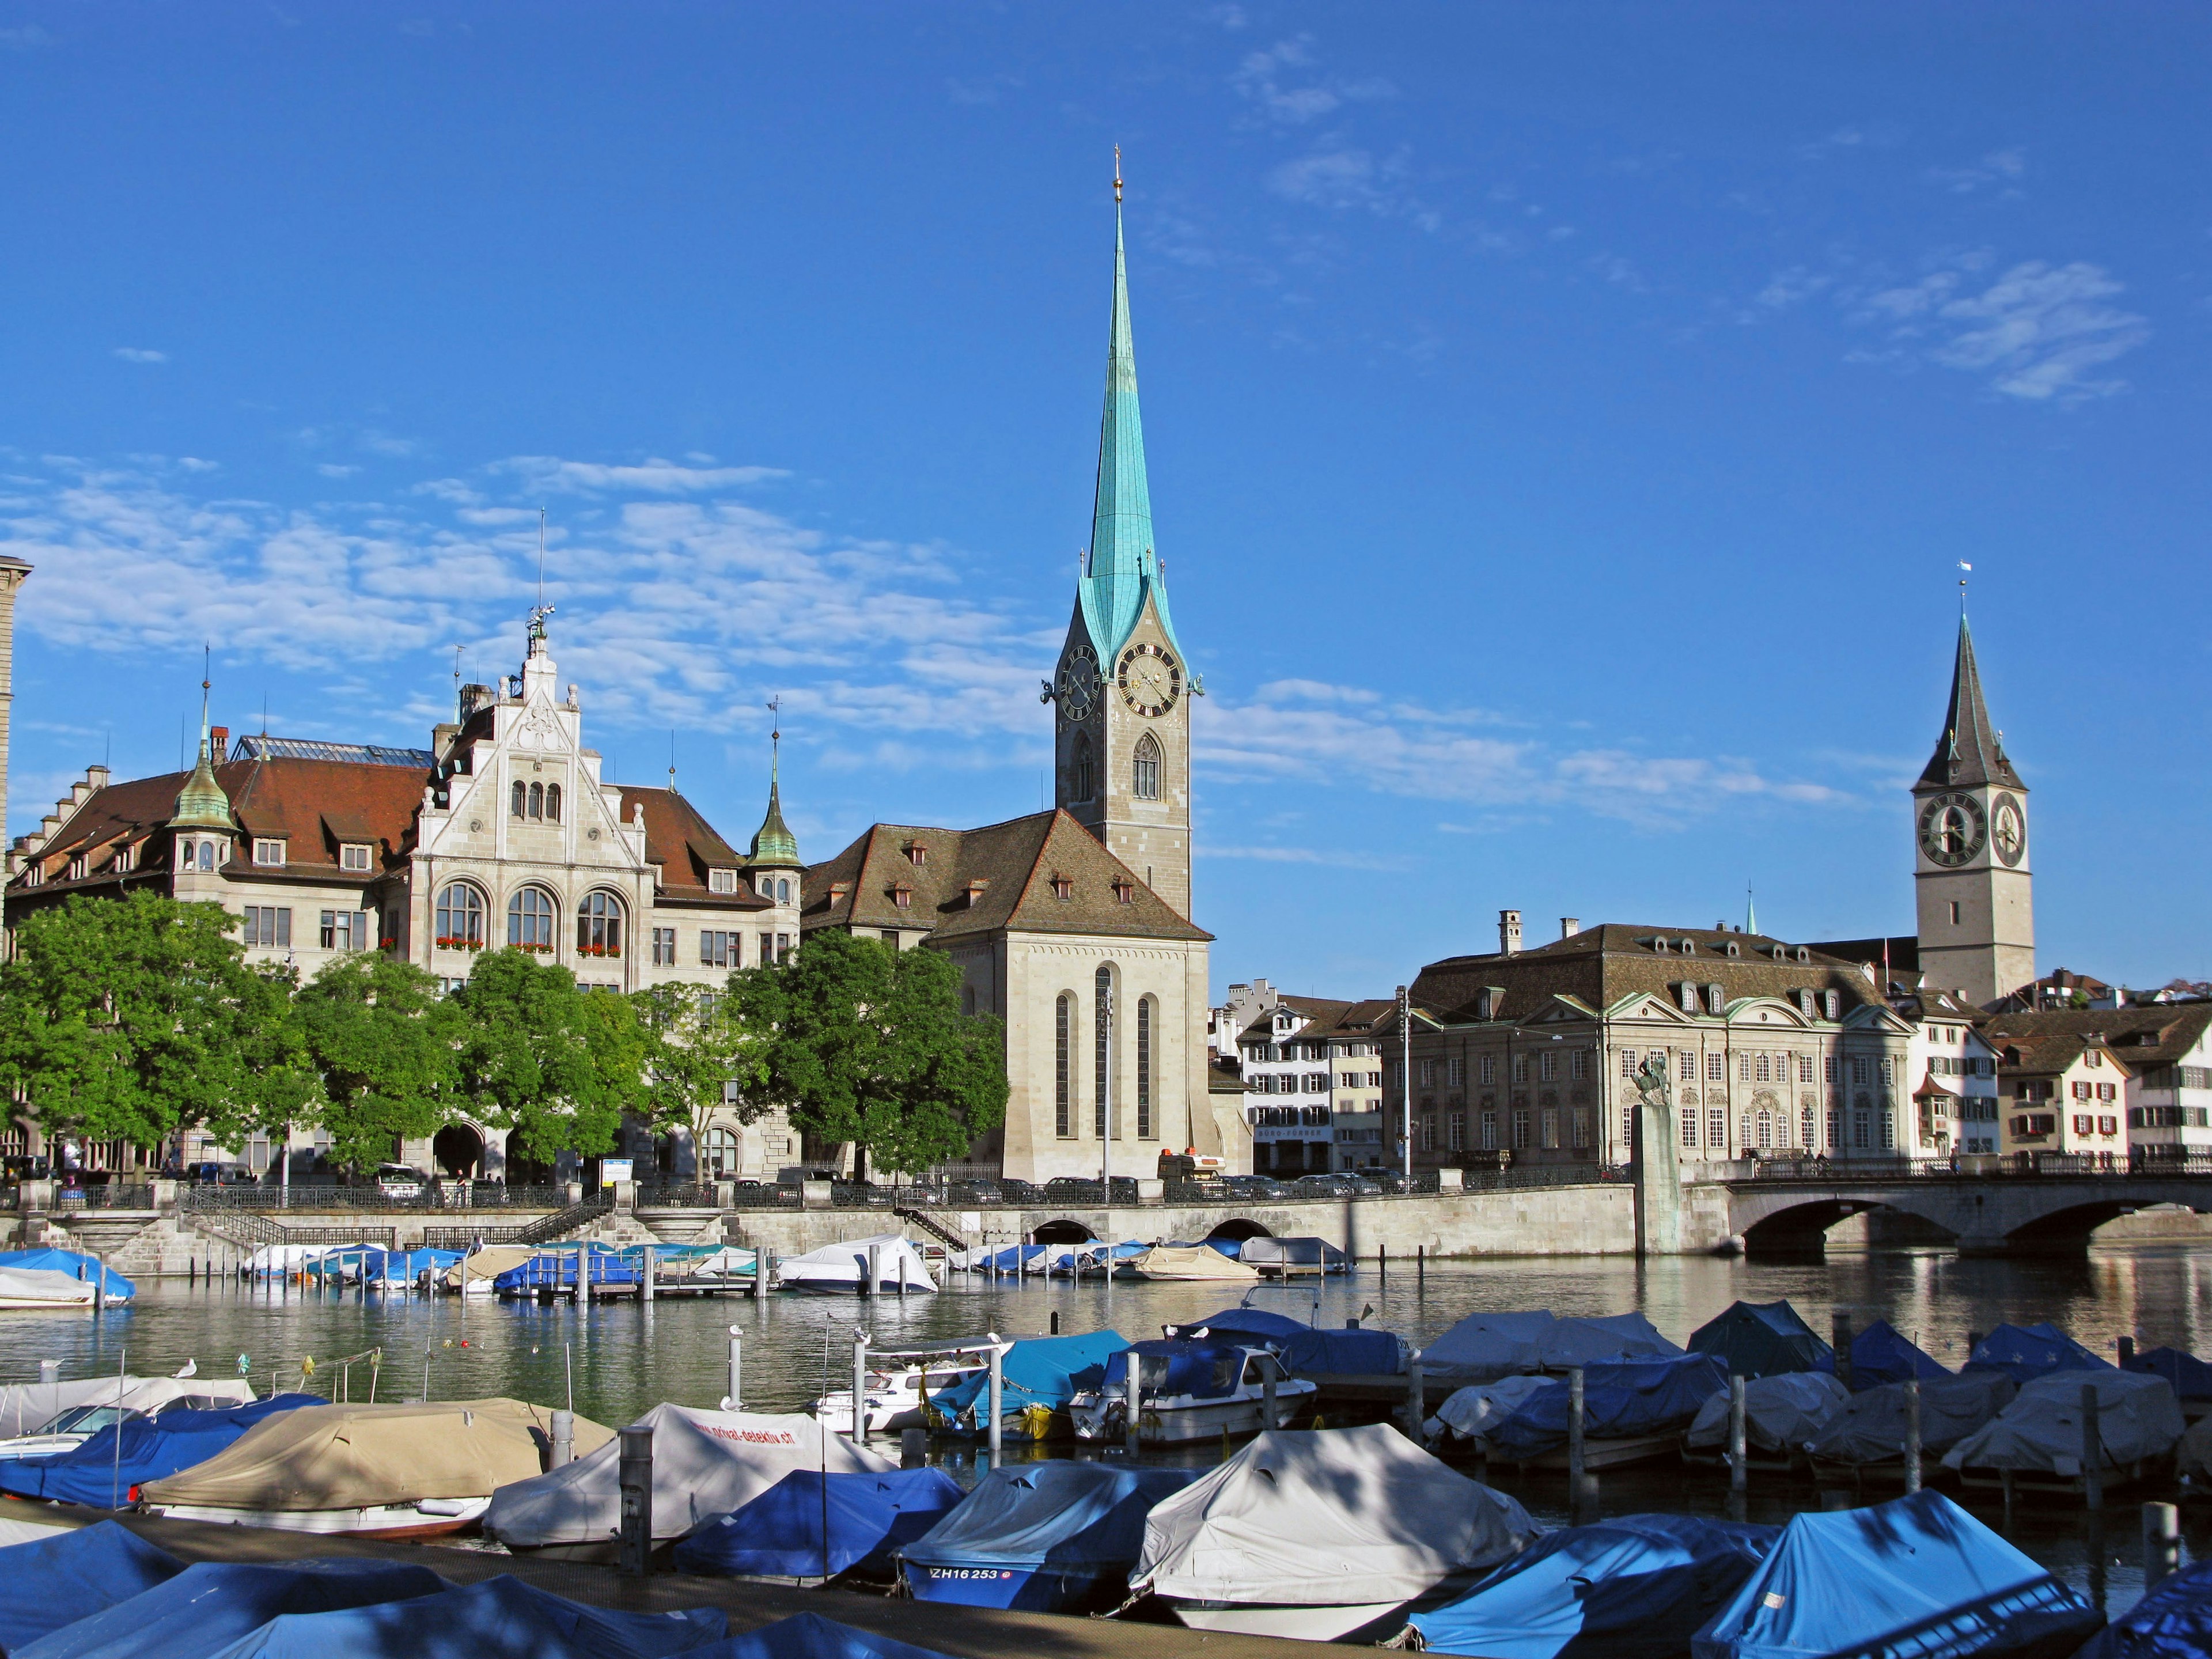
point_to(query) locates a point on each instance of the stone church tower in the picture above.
(1123, 688)
(1970, 819)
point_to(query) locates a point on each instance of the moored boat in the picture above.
(97, 1406)
(1038, 1378)
(1188, 1389)
(899, 1399)
(1184, 1262)
(841, 1269)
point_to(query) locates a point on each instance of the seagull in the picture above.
(191, 1369)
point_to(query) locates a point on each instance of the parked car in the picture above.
(1321, 1184)
(975, 1192)
(400, 1180)
(1079, 1189)
(1252, 1188)
(1013, 1190)
(1383, 1180)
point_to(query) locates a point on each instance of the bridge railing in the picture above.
(2142, 1162)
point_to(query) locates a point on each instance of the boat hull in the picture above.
(1021, 1588)
(1330, 1622)
(379, 1521)
(1181, 1420)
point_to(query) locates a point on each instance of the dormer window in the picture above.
(1832, 1004)
(269, 852)
(1661, 946)
(977, 889)
(916, 853)
(1689, 947)
(354, 856)
(1063, 887)
(77, 866)
(1125, 892)
(127, 859)
(902, 897)
(1734, 949)
(726, 881)
(1689, 997)
(1715, 999)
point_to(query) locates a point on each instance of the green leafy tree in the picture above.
(700, 1043)
(865, 1042)
(137, 1018)
(380, 1042)
(557, 1065)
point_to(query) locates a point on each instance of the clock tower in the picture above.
(1122, 690)
(1976, 895)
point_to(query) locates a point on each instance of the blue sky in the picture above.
(1565, 421)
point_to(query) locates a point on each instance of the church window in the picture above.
(1102, 1058)
(460, 917)
(1144, 769)
(1086, 782)
(530, 921)
(552, 803)
(598, 926)
(517, 801)
(1144, 1068)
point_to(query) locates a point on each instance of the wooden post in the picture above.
(1382, 1262)
(1912, 1435)
(1575, 1414)
(2127, 1350)
(1055, 1321)
(1416, 1409)
(1739, 1437)
(635, 1475)
(1420, 1267)
(2161, 1533)
(2092, 1450)
(1840, 1338)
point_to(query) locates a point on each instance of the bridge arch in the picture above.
(1062, 1232)
(1237, 1228)
(1991, 1215)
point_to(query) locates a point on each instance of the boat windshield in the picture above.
(85, 1419)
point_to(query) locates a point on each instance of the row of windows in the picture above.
(2169, 1117)
(2096, 1091)
(1755, 1066)
(268, 926)
(1547, 1067)
(536, 803)
(1521, 1127)
(1104, 1084)
(1313, 1083)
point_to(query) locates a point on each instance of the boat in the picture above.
(75, 1264)
(2172, 1621)
(1191, 1390)
(1182, 1261)
(142, 1396)
(477, 1273)
(1007, 1261)
(703, 1264)
(900, 1399)
(1287, 1258)
(1094, 1260)
(1762, 1339)
(1866, 1438)
(1323, 1535)
(1483, 1347)
(1469, 1413)
(38, 1290)
(1880, 1355)
(810, 1528)
(1632, 1410)
(1306, 1350)
(2189, 1378)
(106, 1471)
(1056, 1537)
(1635, 1586)
(1781, 1412)
(842, 1269)
(2036, 1441)
(1039, 1377)
(2024, 1353)
(411, 1470)
(550, 1275)
(1914, 1577)
(705, 1464)
(67, 1574)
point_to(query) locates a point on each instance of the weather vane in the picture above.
(1117, 175)
(1965, 570)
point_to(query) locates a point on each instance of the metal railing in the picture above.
(677, 1196)
(103, 1197)
(485, 1195)
(1983, 1166)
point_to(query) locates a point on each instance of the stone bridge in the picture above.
(1785, 1213)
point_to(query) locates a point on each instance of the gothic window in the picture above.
(529, 920)
(1085, 781)
(517, 801)
(1063, 1024)
(1144, 1068)
(552, 803)
(598, 926)
(1144, 769)
(1102, 1058)
(460, 915)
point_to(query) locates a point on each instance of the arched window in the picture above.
(1085, 781)
(1144, 1068)
(718, 1153)
(529, 920)
(1765, 1131)
(460, 916)
(552, 803)
(536, 801)
(1144, 769)
(518, 799)
(1063, 1033)
(1102, 1064)
(207, 856)
(598, 926)
(783, 892)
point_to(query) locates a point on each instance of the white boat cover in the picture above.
(704, 1464)
(26, 1407)
(1472, 1409)
(1325, 1517)
(1870, 1429)
(1190, 1262)
(843, 1266)
(2137, 1416)
(1485, 1347)
(42, 1287)
(290, 1258)
(1782, 1411)
(355, 1458)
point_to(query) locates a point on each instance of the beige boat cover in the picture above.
(1190, 1261)
(488, 1261)
(349, 1457)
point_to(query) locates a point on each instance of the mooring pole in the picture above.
(875, 1270)
(736, 1400)
(2161, 1532)
(1739, 1447)
(998, 1396)
(635, 1473)
(860, 1387)
(1912, 1434)
(1416, 1409)
(2092, 1450)
(1840, 1338)
(1575, 1417)
(564, 1438)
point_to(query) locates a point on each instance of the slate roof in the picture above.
(1968, 753)
(1016, 863)
(2051, 1054)
(2160, 1034)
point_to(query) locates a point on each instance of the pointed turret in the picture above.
(774, 847)
(1969, 753)
(201, 804)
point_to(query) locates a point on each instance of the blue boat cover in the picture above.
(2174, 1621)
(500, 1616)
(75, 1265)
(53, 1581)
(779, 1535)
(1917, 1576)
(810, 1636)
(1206, 1370)
(1880, 1355)
(1013, 1259)
(559, 1269)
(1637, 1587)
(1069, 1517)
(2189, 1378)
(97, 1474)
(1620, 1398)
(1041, 1370)
(405, 1267)
(1762, 1339)
(211, 1604)
(1308, 1350)
(2024, 1353)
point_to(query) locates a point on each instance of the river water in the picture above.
(620, 1358)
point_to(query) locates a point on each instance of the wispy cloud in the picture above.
(26, 37)
(656, 477)
(1283, 86)
(2002, 168)
(1338, 177)
(2037, 332)
(140, 354)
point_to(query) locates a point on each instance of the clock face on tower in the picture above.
(1952, 829)
(2009, 832)
(1150, 680)
(1077, 689)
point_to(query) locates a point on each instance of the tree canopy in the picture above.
(384, 1045)
(537, 1056)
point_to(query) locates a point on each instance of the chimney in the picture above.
(1570, 925)
(1508, 932)
(97, 777)
(218, 743)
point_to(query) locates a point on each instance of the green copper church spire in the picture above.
(774, 845)
(1123, 566)
(201, 804)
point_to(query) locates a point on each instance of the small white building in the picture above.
(1953, 1069)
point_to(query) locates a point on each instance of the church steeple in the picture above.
(774, 845)
(1969, 754)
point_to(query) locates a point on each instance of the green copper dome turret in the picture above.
(201, 804)
(774, 845)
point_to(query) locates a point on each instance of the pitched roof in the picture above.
(2159, 1033)
(685, 847)
(1015, 863)
(1968, 753)
(2048, 1054)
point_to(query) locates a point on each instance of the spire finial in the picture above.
(1965, 570)
(671, 760)
(775, 739)
(1117, 175)
(207, 680)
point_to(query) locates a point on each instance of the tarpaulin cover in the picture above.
(1204, 1370)
(842, 1267)
(349, 1457)
(810, 1636)
(28, 1405)
(2192, 1458)
(1762, 1339)
(1308, 1350)
(500, 1617)
(25, 1404)
(1182, 1261)
(1634, 1397)
(1870, 1429)
(75, 1265)
(1040, 1370)
(1061, 1514)
(704, 1464)
(2137, 1417)
(2024, 1353)
(1783, 1411)
(779, 1535)
(1636, 1588)
(405, 1267)
(558, 1269)
(71, 1575)
(2189, 1378)
(211, 1604)
(2174, 1621)
(1475, 1409)
(1012, 1259)
(1323, 1517)
(1301, 1252)
(96, 1473)
(1880, 1355)
(1485, 1347)
(38, 1288)
(1917, 1576)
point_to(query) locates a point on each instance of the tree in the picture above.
(865, 1042)
(380, 1041)
(700, 1044)
(135, 1018)
(537, 1056)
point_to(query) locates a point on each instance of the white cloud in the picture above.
(1340, 177)
(24, 38)
(140, 354)
(2003, 167)
(654, 477)
(2037, 332)
(334, 470)
(1261, 78)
